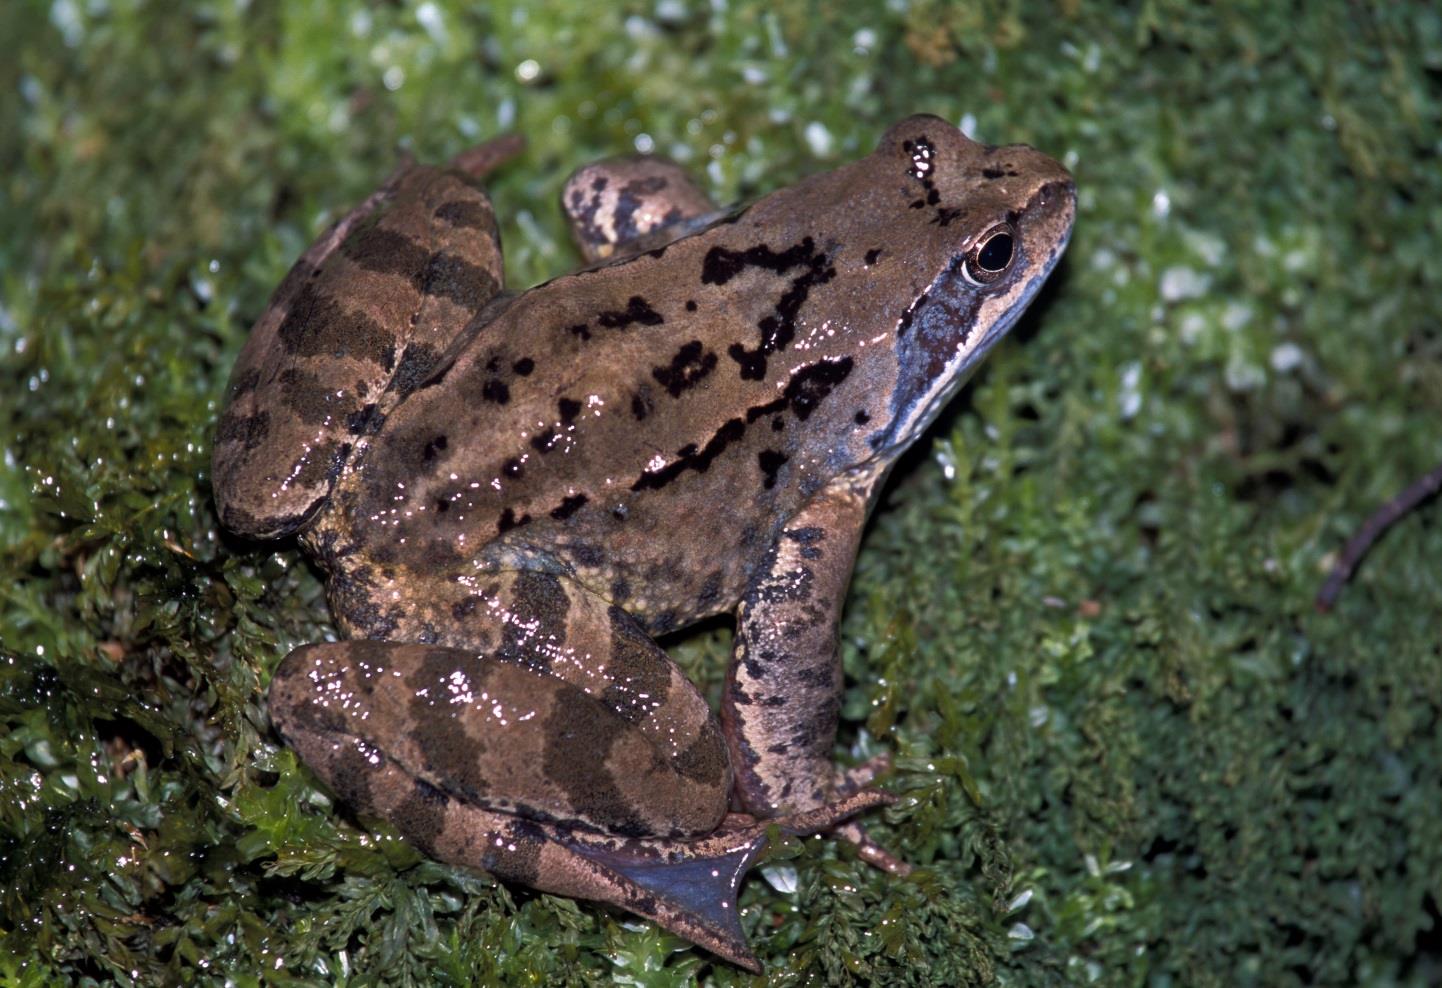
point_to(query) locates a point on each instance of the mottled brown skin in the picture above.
(511, 494)
(623, 205)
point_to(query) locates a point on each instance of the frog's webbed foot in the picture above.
(692, 885)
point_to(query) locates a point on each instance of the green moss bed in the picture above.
(1129, 751)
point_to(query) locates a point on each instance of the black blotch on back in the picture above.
(640, 406)
(524, 366)
(495, 390)
(512, 467)
(722, 264)
(543, 442)
(872, 255)
(568, 506)
(568, 408)
(637, 311)
(690, 458)
(779, 328)
(433, 448)
(807, 388)
(770, 461)
(688, 366)
(508, 521)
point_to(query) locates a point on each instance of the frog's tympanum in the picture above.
(512, 493)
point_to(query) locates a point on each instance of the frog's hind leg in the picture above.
(544, 738)
(360, 320)
(405, 732)
(623, 206)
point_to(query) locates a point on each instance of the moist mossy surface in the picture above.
(1128, 749)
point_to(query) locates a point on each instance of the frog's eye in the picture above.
(991, 256)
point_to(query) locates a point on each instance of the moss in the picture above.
(1128, 750)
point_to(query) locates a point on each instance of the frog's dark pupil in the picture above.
(995, 254)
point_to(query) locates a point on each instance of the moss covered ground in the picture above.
(1129, 751)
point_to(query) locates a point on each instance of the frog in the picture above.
(513, 494)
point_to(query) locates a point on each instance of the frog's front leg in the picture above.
(622, 206)
(783, 691)
(561, 749)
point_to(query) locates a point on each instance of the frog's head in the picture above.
(984, 226)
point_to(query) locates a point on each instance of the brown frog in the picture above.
(511, 494)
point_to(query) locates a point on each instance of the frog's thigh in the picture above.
(613, 203)
(553, 625)
(360, 320)
(555, 707)
(783, 692)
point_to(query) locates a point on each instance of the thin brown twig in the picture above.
(1382, 519)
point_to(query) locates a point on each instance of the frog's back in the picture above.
(649, 426)
(595, 427)
(614, 420)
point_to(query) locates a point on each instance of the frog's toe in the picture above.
(858, 777)
(827, 817)
(490, 155)
(870, 851)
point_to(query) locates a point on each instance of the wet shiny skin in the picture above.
(510, 494)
